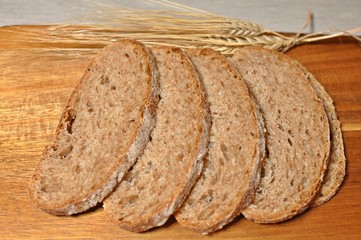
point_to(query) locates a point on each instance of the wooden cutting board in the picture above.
(34, 91)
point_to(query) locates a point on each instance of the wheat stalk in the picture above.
(181, 26)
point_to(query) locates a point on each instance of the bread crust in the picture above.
(52, 165)
(288, 182)
(234, 158)
(143, 200)
(336, 168)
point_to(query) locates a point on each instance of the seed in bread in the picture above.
(173, 159)
(102, 130)
(297, 139)
(236, 149)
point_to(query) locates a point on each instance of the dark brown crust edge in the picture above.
(325, 162)
(194, 172)
(115, 176)
(248, 196)
(337, 147)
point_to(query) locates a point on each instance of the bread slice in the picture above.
(336, 169)
(173, 159)
(236, 148)
(297, 139)
(102, 130)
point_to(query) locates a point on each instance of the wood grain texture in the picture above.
(33, 94)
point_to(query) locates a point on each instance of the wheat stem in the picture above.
(181, 26)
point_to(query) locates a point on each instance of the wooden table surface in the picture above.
(33, 94)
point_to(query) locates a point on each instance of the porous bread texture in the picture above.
(231, 169)
(297, 138)
(102, 130)
(173, 159)
(336, 169)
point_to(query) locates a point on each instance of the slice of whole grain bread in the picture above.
(336, 169)
(231, 171)
(102, 130)
(297, 138)
(173, 159)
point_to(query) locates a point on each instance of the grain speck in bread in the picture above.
(297, 139)
(236, 149)
(336, 169)
(102, 130)
(173, 159)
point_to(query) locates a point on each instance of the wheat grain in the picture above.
(181, 26)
